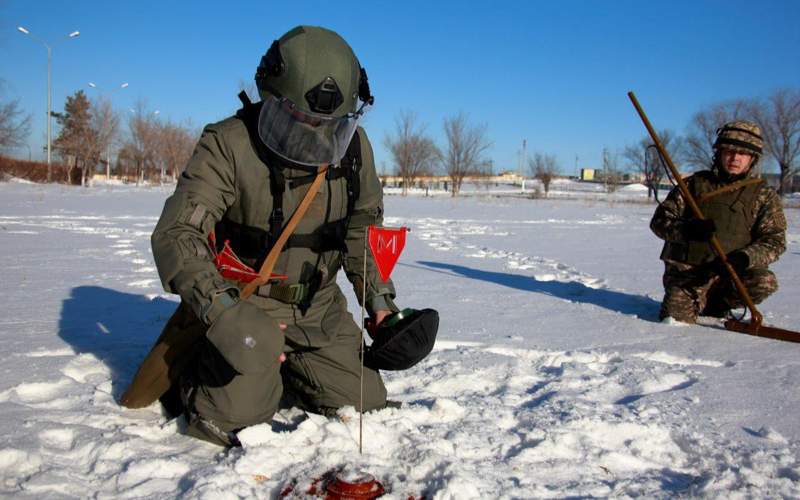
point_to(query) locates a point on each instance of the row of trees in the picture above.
(415, 154)
(152, 149)
(464, 154)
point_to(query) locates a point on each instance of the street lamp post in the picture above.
(74, 34)
(108, 147)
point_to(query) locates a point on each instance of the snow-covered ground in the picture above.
(551, 376)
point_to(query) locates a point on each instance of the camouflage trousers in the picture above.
(691, 291)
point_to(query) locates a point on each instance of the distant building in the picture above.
(443, 181)
(587, 174)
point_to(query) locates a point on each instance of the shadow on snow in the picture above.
(643, 307)
(118, 328)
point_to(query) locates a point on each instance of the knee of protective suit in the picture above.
(229, 400)
(317, 383)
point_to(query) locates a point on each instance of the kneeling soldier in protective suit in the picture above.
(292, 339)
(741, 211)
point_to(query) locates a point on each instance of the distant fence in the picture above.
(34, 171)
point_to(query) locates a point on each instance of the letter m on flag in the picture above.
(386, 245)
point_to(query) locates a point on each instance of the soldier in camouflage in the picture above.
(741, 211)
(291, 342)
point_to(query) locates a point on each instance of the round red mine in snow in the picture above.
(339, 485)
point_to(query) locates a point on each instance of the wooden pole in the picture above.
(687, 195)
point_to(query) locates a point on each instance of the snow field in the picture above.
(551, 377)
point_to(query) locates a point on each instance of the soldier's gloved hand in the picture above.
(738, 260)
(247, 337)
(699, 229)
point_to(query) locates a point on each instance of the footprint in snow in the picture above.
(667, 383)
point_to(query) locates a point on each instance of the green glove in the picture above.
(247, 337)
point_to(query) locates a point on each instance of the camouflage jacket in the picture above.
(765, 215)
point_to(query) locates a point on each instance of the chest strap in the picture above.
(730, 187)
(289, 294)
(275, 251)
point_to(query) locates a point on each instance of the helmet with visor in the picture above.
(311, 82)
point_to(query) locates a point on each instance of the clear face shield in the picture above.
(303, 137)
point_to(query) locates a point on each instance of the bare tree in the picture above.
(175, 145)
(612, 175)
(779, 119)
(142, 143)
(466, 147)
(702, 130)
(544, 168)
(643, 158)
(15, 126)
(413, 152)
(105, 122)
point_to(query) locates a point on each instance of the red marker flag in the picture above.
(386, 245)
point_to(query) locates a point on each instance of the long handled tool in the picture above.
(754, 327)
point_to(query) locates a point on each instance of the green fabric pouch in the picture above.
(247, 337)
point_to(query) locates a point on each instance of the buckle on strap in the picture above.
(263, 290)
(289, 294)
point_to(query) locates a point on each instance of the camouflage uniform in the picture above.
(748, 218)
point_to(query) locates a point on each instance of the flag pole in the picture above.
(361, 349)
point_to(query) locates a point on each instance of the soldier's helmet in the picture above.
(741, 136)
(311, 82)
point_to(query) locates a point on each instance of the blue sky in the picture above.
(553, 73)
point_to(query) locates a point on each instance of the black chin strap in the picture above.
(245, 99)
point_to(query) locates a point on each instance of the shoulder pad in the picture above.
(229, 123)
